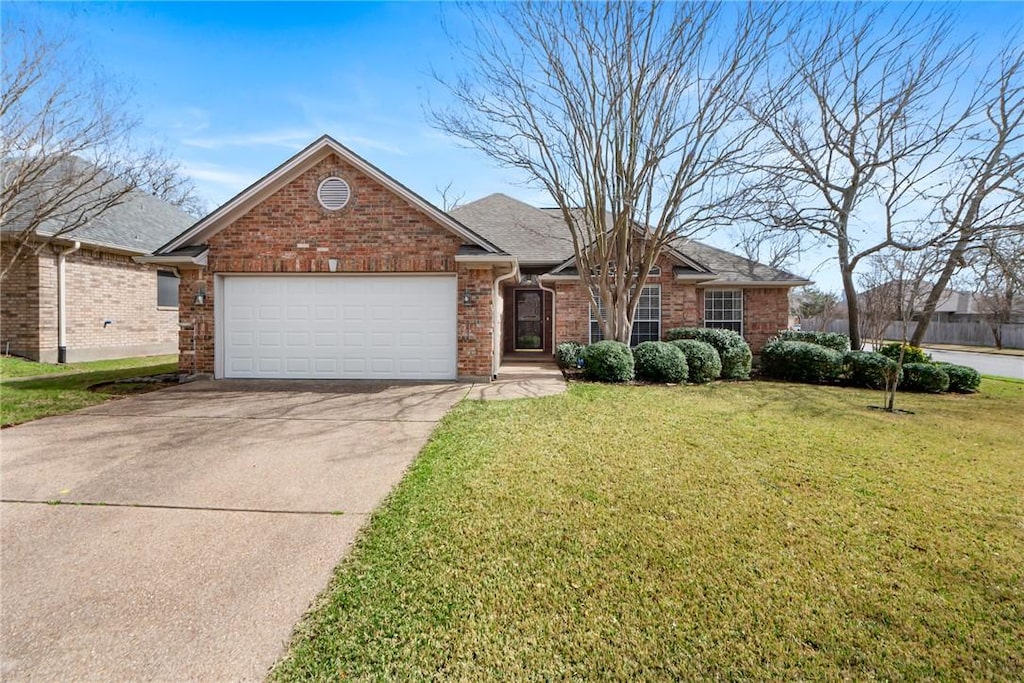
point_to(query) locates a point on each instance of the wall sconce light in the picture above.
(200, 297)
(466, 297)
(332, 265)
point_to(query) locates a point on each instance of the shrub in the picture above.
(911, 354)
(830, 340)
(701, 358)
(867, 369)
(732, 350)
(962, 379)
(801, 362)
(608, 361)
(926, 377)
(567, 354)
(736, 362)
(660, 362)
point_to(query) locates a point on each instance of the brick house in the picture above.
(84, 296)
(329, 268)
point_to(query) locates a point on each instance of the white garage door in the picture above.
(345, 327)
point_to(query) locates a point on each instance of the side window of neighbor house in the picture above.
(723, 308)
(646, 322)
(166, 289)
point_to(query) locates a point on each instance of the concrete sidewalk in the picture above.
(521, 380)
(197, 525)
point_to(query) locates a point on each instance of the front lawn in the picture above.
(68, 388)
(747, 530)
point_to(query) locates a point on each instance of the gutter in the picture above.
(496, 318)
(186, 262)
(62, 297)
(554, 314)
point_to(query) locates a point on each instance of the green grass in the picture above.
(68, 390)
(12, 367)
(733, 531)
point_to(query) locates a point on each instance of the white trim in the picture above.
(315, 152)
(743, 306)
(591, 320)
(487, 258)
(754, 284)
(199, 261)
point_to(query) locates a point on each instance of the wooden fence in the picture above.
(939, 332)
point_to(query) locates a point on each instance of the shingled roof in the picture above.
(526, 232)
(139, 224)
(540, 236)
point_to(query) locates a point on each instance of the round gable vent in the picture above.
(333, 193)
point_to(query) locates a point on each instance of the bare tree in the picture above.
(893, 289)
(998, 277)
(983, 196)
(773, 248)
(857, 128)
(67, 146)
(449, 198)
(625, 113)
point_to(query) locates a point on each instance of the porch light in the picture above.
(466, 298)
(200, 297)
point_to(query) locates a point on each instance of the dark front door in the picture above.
(529, 327)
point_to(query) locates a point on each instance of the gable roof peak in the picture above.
(310, 155)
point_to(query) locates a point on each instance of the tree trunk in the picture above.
(852, 308)
(925, 317)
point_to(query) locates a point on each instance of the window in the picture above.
(166, 289)
(723, 308)
(646, 322)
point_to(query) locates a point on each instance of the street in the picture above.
(985, 363)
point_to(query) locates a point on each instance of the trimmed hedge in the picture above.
(867, 369)
(660, 362)
(736, 362)
(702, 359)
(962, 379)
(732, 349)
(567, 354)
(608, 361)
(926, 377)
(799, 361)
(830, 340)
(911, 354)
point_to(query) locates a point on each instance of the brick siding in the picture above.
(765, 312)
(377, 232)
(101, 287)
(765, 309)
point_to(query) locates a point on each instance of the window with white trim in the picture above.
(723, 309)
(166, 289)
(646, 321)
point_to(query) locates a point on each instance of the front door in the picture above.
(529, 328)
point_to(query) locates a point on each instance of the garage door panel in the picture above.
(386, 327)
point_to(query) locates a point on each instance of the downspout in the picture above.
(496, 318)
(554, 319)
(62, 298)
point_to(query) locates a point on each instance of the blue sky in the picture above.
(233, 89)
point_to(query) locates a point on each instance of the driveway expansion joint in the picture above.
(199, 508)
(260, 418)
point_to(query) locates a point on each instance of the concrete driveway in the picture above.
(210, 515)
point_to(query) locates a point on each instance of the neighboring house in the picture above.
(85, 297)
(329, 268)
(954, 306)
